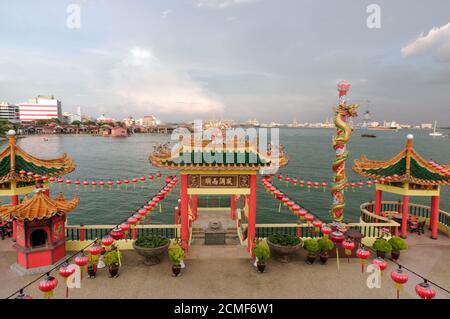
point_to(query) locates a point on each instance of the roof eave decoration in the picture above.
(406, 167)
(13, 160)
(39, 207)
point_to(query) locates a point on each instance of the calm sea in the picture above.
(309, 150)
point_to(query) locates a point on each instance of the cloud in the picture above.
(148, 85)
(436, 38)
(166, 13)
(221, 4)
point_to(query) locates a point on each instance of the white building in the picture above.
(104, 119)
(149, 120)
(71, 117)
(40, 108)
(426, 126)
(129, 121)
(9, 112)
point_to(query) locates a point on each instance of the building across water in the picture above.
(9, 112)
(40, 108)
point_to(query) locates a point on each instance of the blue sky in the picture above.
(274, 60)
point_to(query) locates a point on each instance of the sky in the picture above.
(273, 60)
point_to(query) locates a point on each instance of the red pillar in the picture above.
(405, 214)
(184, 212)
(252, 214)
(47, 192)
(233, 206)
(378, 199)
(194, 205)
(434, 216)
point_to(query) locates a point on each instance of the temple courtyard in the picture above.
(226, 271)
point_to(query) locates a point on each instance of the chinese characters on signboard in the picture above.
(218, 181)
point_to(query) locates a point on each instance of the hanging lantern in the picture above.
(280, 177)
(102, 183)
(308, 184)
(107, 241)
(381, 263)
(47, 285)
(400, 278)
(360, 184)
(158, 174)
(337, 237)
(117, 233)
(118, 182)
(151, 177)
(363, 254)
(77, 182)
(110, 184)
(326, 231)
(348, 246)
(301, 183)
(317, 224)
(30, 174)
(44, 178)
(138, 217)
(290, 204)
(316, 185)
(85, 184)
(296, 209)
(95, 251)
(425, 291)
(285, 200)
(142, 212)
(287, 180)
(324, 186)
(94, 183)
(132, 221)
(22, 172)
(302, 213)
(309, 218)
(65, 271)
(68, 182)
(294, 182)
(60, 181)
(51, 179)
(352, 185)
(81, 260)
(134, 180)
(142, 178)
(125, 227)
(369, 184)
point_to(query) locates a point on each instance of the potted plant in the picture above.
(92, 266)
(325, 245)
(112, 261)
(284, 246)
(382, 247)
(397, 245)
(262, 254)
(312, 246)
(176, 255)
(151, 247)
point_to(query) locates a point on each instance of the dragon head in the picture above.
(351, 110)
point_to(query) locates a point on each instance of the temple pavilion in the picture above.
(20, 171)
(407, 174)
(39, 229)
(215, 168)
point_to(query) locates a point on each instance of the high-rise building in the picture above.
(40, 108)
(149, 120)
(9, 112)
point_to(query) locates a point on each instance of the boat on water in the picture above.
(434, 133)
(368, 135)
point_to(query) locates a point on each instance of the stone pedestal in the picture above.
(215, 234)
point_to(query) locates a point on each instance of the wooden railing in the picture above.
(421, 211)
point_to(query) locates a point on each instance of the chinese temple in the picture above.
(20, 171)
(40, 233)
(215, 168)
(407, 174)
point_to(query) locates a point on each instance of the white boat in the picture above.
(434, 131)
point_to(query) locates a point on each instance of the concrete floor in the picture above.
(227, 272)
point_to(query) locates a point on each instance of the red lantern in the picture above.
(337, 237)
(51, 179)
(425, 291)
(381, 263)
(107, 240)
(134, 180)
(158, 174)
(22, 172)
(85, 183)
(348, 246)
(363, 254)
(68, 182)
(301, 183)
(142, 178)
(290, 204)
(142, 212)
(47, 285)
(117, 233)
(95, 249)
(77, 182)
(125, 228)
(326, 231)
(308, 184)
(360, 184)
(309, 218)
(118, 182)
(369, 184)
(65, 271)
(30, 174)
(324, 186)
(316, 185)
(317, 224)
(400, 278)
(102, 183)
(151, 177)
(81, 260)
(132, 221)
(302, 213)
(285, 200)
(94, 183)
(110, 183)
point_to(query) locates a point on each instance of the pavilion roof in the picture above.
(39, 206)
(208, 155)
(13, 159)
(407, 166)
